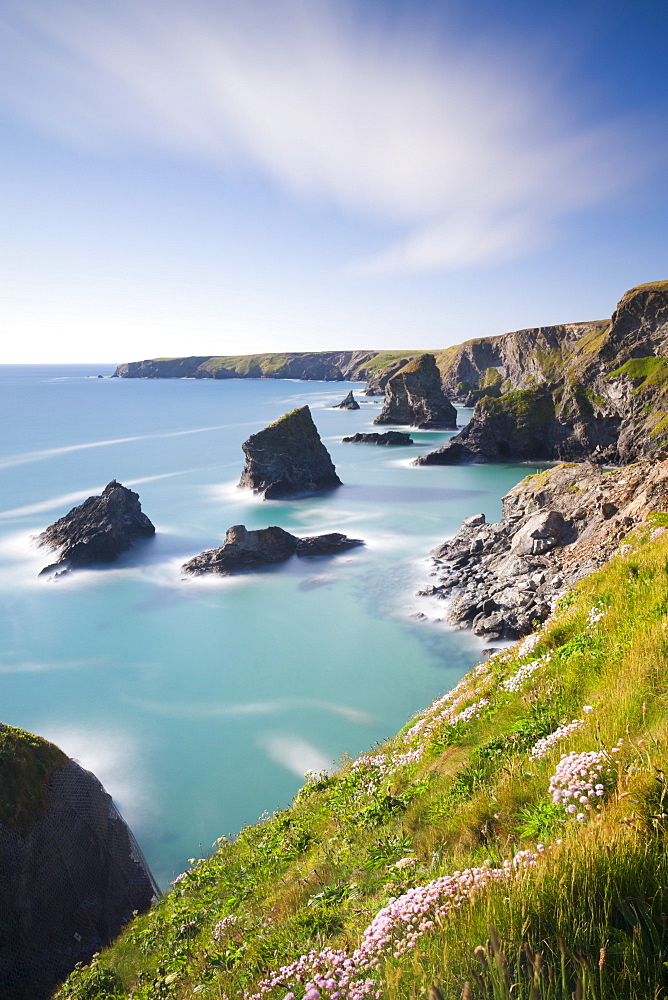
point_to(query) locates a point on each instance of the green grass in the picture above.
(27, 764)
(526, 407)
(313, 875)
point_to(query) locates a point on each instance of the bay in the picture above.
(201, 703)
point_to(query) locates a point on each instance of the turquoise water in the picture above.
(200, 703)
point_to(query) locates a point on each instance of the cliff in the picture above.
(288, 459)
(96, 531)
(71, 873)
(510, 840)
(414, 396)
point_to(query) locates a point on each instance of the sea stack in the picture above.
(98, 530)
(414, 396)
(288, 459)
(243, 550)
(72, 874)
(349, 403)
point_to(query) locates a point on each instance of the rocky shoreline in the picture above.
(557, 527)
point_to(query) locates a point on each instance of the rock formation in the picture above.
(243, 549)
(414, 396)
(378, 378)
(388, 438)
(349, 403)
(98, 530)
(71, 874)
(557, 527)
(288, 459)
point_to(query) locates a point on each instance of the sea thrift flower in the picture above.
(540, 748)
(583, 778)
(516, 681)
(223, 926)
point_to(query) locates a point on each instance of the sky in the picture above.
(213, 177)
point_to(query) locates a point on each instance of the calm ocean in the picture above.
(200, 703)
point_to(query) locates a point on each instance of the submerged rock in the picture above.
(288, 459)
(71, 872)
(349, 403)
(243, 549)
(414, 396)
(388, 438)
(98, 530)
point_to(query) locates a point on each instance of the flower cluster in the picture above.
(393, 932)
(223, 926)
(516, 681)
(595, 615)
(540, 748)
(582, 779)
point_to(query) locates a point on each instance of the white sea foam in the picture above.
(38, 456)
(114, 758)
(273, 706)
(295, 753)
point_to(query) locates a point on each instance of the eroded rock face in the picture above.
(98, 530)
(387, 438)
(378, 378)
(414, 396)
(557, 526)
(71, 874)
(243, 550)
(288, 459)
(349, 403)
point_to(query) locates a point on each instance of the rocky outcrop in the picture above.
(288, 459)
(377, 378)
(387, 438)
(414, 396)
(325, 366)
(349, 403)
(557, 527)
(98, 530)
(71, 873)
(244, 550)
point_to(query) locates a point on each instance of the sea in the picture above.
(201, 703)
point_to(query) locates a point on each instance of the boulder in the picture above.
(98, 530)
(288, 459)
(388, 438)
(244, 550)
(349, 403)
(414, 396)
(71, 872)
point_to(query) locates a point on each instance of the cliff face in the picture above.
(71, 874)
(599, 390)
(414, 396)
(288, 459)
(327, 366)
(98, 530)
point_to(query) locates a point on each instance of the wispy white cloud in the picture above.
(470, 150)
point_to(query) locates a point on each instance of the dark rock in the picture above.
(244, 550)
(388, 438)
(288, 459)
(326, 545)
(414, 396)
(71, 872)
(608, 510)
(349, 403)
(98, 530)
(451, 453)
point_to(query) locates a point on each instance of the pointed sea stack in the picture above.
(288, 459)
(349, 403)
(98, 530)
(414, 396)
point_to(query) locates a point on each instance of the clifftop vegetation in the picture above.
(512, 837)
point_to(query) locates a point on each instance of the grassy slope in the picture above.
(314, 874)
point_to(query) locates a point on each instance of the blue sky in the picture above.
(214, 177)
